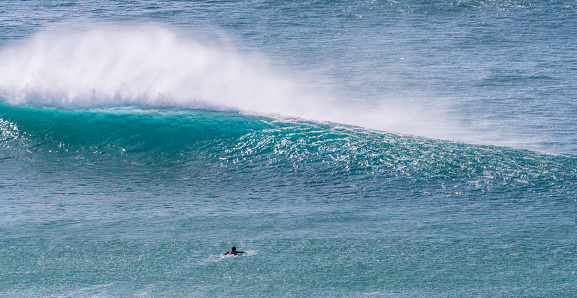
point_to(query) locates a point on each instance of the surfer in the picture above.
(233, 252)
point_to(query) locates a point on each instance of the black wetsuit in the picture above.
(233, 252)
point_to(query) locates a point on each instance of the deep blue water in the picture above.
(361, 148)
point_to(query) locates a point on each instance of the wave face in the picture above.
(187, 141)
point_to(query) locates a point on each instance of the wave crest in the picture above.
(155, 66)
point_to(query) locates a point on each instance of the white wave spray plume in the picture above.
(146, 65)
(153, 66)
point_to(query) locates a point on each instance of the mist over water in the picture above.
(156, 66)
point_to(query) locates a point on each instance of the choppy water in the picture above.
(366, 148)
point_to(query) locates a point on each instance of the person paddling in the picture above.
(233, 252)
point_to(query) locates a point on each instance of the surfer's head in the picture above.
(233, 248)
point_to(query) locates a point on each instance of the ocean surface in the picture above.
(349, 148)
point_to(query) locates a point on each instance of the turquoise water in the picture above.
(404, 148)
